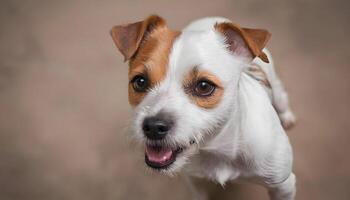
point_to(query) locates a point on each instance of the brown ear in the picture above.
(245, 41)
(128, 37)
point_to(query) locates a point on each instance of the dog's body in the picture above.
(208, 103)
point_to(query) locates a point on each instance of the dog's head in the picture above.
(183, 85)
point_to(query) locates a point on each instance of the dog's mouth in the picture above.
(161, 157)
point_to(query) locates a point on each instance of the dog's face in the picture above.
(183, 85)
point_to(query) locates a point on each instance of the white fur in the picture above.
(242, 138)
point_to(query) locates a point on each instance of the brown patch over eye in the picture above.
(204, 88)
(135, 97)
(149, 65)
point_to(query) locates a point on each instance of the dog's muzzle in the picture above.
(156, 128)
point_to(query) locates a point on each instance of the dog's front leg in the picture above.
(283, 191)
(197, 188)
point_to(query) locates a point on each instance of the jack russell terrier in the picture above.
(208, 103)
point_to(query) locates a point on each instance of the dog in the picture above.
(208, 103)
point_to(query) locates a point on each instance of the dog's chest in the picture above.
(212, 168)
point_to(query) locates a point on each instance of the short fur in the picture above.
(238, 134)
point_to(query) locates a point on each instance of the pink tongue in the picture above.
(158, 155)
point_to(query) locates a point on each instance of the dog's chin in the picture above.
(162, 157)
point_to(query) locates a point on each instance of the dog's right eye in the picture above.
(140, 83)
(204, 88)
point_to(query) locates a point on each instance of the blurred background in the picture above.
(63, 100)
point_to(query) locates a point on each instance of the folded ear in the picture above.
(245, 41)
(128, 37)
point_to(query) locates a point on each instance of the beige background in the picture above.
(63, 98)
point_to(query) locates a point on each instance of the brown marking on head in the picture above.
(147, 45)
(245, 41)
(192, 79)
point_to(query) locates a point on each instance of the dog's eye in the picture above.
(139, 83)
(204, 88)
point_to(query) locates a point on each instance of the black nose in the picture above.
(156, 128)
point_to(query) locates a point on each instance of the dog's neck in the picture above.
(252, 116)
(226, 141)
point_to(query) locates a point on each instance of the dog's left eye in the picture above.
(204, 88)
(139, 83)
